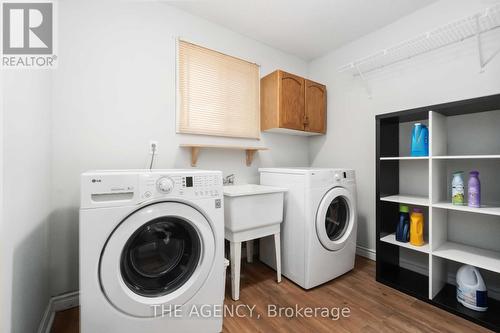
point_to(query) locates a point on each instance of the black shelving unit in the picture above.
(389, 160)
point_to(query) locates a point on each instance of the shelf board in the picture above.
(404, 158)
(391, 239)
(465, 157)
(470, 255)
(195, 150)
(195, 145)
(485, 209)
(407, 199)
(447, 299)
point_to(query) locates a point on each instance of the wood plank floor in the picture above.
(373, 306)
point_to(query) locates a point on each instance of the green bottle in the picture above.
(458, 189)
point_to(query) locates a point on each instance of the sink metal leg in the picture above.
(277, 248)
(235, 248)
(249, 244)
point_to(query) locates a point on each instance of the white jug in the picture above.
(471, 290)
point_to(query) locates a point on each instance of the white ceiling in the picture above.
(306, 28)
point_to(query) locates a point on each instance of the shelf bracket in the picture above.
(365, 82)
(195, 151)
(250, 154)
(482, 62)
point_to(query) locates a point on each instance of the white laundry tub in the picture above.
(252, 206)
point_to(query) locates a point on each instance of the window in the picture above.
(218, 94)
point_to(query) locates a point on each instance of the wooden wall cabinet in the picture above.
(292, 104)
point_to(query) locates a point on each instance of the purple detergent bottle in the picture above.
(474, 195)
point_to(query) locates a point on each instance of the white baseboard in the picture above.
(365, 252)
(47, 319)
(57, 303)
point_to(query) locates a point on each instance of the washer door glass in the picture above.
(160, 256)
(337, 218)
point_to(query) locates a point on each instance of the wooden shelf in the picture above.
(407, 199)
(404, 158)
(195, 150)
(391, 239)
(485, 209)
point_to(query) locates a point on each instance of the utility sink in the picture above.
(252, 206)
(251, 212)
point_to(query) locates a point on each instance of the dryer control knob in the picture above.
(337, 177)
(165, 185)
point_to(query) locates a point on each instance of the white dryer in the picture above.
(318, 233)
(151, 251)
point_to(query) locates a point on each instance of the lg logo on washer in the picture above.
(28, 35)
(96, 180)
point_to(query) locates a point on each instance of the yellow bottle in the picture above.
(417, 227)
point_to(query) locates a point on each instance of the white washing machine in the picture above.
(318, 234)
(151, 251)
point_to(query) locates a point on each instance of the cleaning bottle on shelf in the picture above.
(419, 140)
(471, 290)
(417, 227)
(457, 189)
(403, 227)
(474, 190)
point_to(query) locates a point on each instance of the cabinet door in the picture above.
(315, 109)
(292, 107)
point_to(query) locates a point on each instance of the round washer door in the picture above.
(335, 218)
(159, 255)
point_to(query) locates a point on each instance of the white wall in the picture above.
(114, 90)
(26, 198)
(448, 74)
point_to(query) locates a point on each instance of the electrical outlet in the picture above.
(153, 147)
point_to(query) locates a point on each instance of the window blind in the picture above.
(218, 94)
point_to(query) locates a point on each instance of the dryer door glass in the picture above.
(160, 256)
(337, 218)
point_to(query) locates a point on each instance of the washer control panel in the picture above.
(190, 186)
(115, 188)
(332, 177)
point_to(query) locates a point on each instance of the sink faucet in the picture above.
(228, 180)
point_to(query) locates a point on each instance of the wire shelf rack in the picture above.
(457, 31)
